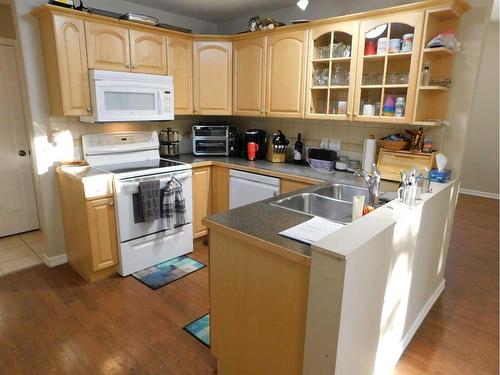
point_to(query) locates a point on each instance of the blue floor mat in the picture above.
(200, 329)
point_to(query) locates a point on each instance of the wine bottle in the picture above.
(297, 153)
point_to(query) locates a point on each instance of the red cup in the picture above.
(252, 149)
(370, 47)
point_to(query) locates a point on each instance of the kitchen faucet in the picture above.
(373, 183)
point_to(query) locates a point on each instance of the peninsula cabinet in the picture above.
(180, 67)
(286, 62)
(332, 69)
(65, 58)
(387, 76)
(202, 198)
(212, 67)
(249, 72)
(111, 47)
(220, 189)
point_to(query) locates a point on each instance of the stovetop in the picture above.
(143, 168)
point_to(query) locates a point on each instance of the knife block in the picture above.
(275, 157)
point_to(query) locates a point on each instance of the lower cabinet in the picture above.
(220, 189)
(89, 230)
(202, 199)
(288, 186)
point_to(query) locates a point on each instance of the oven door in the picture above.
(132, 101)
(125, 189)
(210, 146)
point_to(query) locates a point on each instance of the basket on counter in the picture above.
(393, 145)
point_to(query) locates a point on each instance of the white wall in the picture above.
(45, 153)
(480, 167)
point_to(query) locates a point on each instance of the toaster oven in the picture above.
(214, 140)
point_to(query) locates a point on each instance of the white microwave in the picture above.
(122, 96)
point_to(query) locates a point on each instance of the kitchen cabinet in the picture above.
(386, 76)
(108, 46)
(220, 189)
(202, 199)
(288, 186)
(286, 62)
(65, 58)
(102, 233)
(249, 72)
(148, 52)
(332, 66)
(212, 66)
(180, 67)
(89, 226)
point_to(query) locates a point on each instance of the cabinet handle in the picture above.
(112, 203)
(129, 66)
(354, 114)
(348, 114)
(89, 109)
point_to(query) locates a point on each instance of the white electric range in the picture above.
(133, 157)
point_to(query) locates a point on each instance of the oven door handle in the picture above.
(124, 184)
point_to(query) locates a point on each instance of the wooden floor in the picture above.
(52, 322)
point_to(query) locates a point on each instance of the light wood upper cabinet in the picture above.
(212, 66)
(286, 61)
(220, 189)
(148, 52)
(65, 59)
(202, 202)
(387, 76)
(332, 70)
(249, 77)
(180, 67)
(108, 46)
(102, 233)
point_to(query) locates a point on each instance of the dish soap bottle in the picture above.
(426, 75)
(297, 153)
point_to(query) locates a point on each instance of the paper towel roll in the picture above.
(369, 151)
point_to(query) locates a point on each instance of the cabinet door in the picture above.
(148, 52)
(288, 186)
(180, 66)
(332, 70)
(102, 233)
(387, 76)
(212, 65)
(108, 46)
(249, 77)
(220, 189)
(286, 55)
(201, 199)
(71, 54)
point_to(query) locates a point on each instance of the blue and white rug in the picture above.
(200, 329)
(164, 273)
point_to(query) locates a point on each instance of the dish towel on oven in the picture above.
(173, 208)
(149, 195)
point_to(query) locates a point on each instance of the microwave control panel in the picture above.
(167, 101)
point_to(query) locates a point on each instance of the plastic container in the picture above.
(395, 45)
(407, 45)
(389, 105)
(440, 176)
(400, 106)
(381, 46)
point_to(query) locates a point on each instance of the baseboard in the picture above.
(478, 193)
(55, 261)
(418, 321)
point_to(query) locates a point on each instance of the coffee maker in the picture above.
(257, 136)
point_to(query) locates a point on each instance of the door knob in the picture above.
(21, 153)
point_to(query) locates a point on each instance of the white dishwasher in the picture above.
(246, 188)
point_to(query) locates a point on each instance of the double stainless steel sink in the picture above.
(333, 202)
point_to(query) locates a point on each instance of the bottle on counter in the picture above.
(426, 75)
(297, 153)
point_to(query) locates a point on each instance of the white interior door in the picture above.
(18, 211)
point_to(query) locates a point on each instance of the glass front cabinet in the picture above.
(332, 68)
(387, 69)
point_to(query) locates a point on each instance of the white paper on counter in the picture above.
(312, 230)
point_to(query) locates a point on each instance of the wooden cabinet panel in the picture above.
(212, 66)
(180, 67)
(286, 54)
(288, 186)
(108, 46)
(202, 194)
(148, 52)
(249, 77)
(102, 233)
(72, 66)
(220, 189)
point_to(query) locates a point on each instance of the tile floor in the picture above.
(21, 251)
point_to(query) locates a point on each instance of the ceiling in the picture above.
(217, 10)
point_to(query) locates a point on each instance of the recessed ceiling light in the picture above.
(302, 4)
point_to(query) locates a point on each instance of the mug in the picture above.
(408, 195)
(252, 149)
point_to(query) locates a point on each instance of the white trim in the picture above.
(478, 193)
(418, 321)
(55, 261)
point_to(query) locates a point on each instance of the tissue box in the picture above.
(440, 176)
